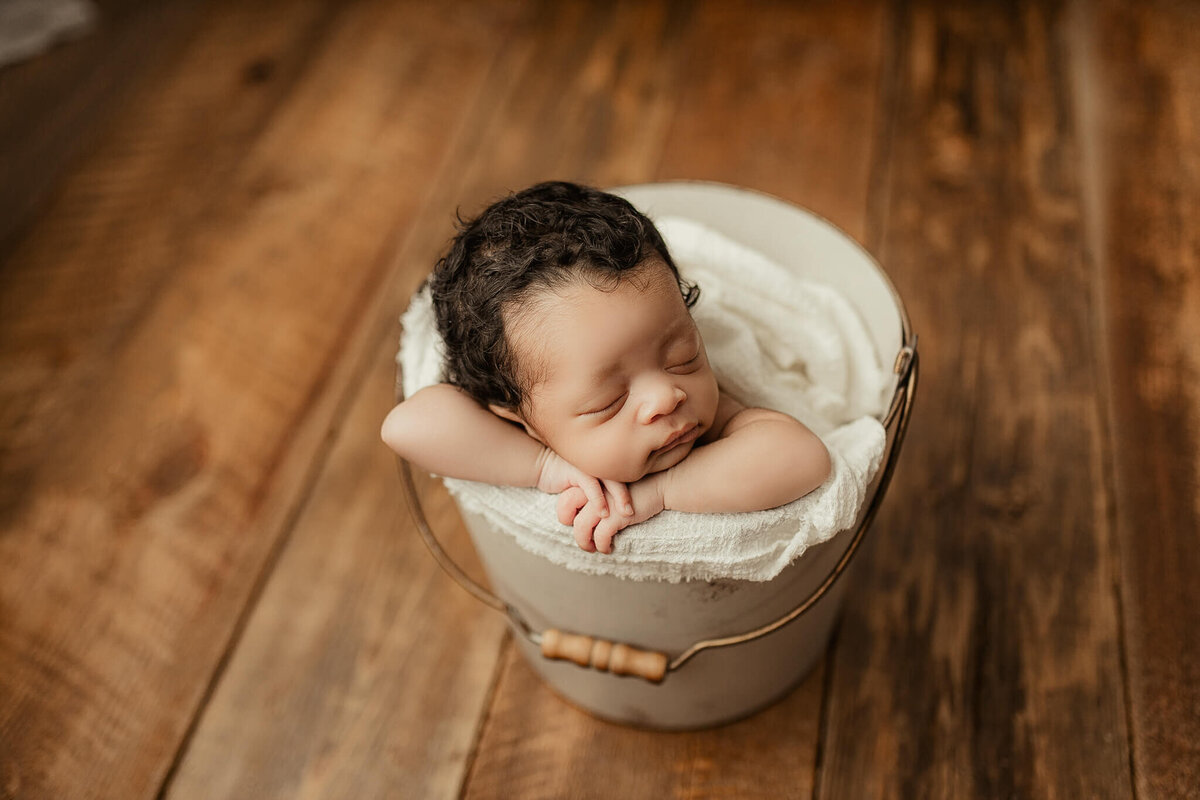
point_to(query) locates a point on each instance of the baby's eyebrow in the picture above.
(597, 395)
(602, 374)
(685, 328)
(682, 328)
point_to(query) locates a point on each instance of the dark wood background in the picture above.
(213, 212)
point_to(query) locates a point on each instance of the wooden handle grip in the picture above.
(619, 659)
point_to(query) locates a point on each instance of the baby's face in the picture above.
(623, 386)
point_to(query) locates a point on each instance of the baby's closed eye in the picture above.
(684, 354)
(690, 365)
(603, 408)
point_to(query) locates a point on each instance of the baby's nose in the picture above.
(664, 399)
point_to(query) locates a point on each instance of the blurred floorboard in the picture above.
(211, 214)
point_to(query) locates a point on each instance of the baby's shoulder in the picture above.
(732, 415)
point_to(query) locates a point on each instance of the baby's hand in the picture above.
(555, 476)
(594, 532)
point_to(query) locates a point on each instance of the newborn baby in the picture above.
(574, 366)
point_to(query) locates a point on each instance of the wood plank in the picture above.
(982, 658)
(1145, 113)
(742, 77)
(55, 106)
(364, 669)
(121, 228)
(784, 101)
(536, 741)
(148, 482)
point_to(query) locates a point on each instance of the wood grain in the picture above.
(780, 60)
(363, 670)
(208, 585)
(536, 741)
(1146, 129)
(128, 220)
(982, 658)
(156, 453)
(785, 101)
(55, 107)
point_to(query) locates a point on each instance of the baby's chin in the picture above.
(635, 472)
(666, 460)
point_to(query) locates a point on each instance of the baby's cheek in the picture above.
(619, 459)
(709, 396)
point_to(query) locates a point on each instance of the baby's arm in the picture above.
(760, 459)
(444, 430)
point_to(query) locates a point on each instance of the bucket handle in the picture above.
(624, 659)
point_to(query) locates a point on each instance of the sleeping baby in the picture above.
(573, 365)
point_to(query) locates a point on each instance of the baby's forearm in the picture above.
(446, 432)
(764, 460)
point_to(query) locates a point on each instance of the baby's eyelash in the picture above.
(608, 407)
(691, 362)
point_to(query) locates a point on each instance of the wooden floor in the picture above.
(214, 212)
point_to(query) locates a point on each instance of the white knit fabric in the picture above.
(776, 341)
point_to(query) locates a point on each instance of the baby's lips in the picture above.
(685, 434)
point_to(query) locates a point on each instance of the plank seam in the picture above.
(302, 497)
(880, 176)
(823, 711)
(357, 340)
(874, 233)
(489, 700)
(1081, 42)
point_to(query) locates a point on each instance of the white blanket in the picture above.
(775, 341)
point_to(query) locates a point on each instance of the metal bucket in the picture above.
(700, 653)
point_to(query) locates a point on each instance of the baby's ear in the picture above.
(507, 413)
(512, 415)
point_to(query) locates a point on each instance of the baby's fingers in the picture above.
(606, 531)
(585, 522)
(621, 498)
(595, 495)
(570, 500)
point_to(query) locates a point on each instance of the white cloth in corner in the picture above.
(28, 27)
(775, 340)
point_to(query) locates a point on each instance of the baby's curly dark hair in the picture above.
(530, 241)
